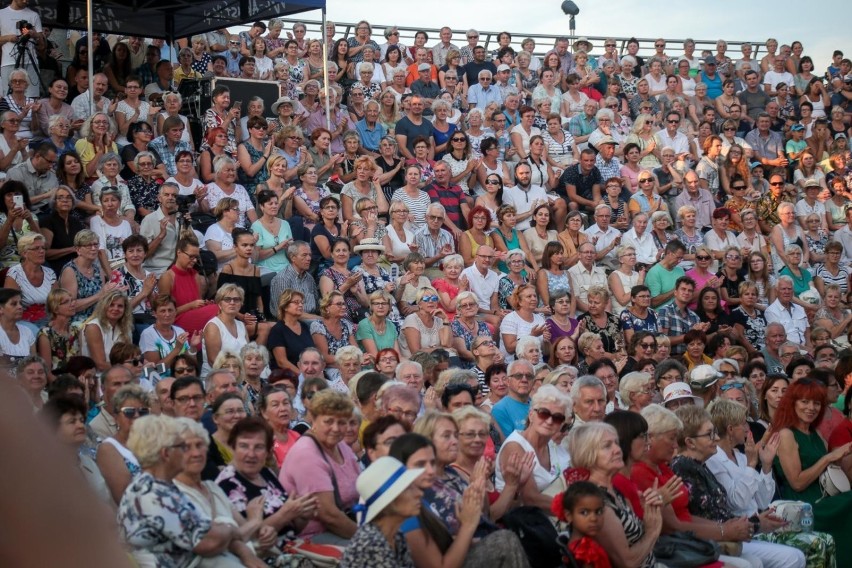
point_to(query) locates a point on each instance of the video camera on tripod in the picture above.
(24, 28)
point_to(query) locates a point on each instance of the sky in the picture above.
(725, 19)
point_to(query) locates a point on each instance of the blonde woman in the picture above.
(224, 331)
(428, 328)
(110, 323)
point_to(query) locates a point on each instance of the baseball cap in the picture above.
(702, 377)
(424, 67)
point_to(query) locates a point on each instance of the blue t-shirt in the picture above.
(510, 415)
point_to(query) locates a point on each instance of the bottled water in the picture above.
(806, 519)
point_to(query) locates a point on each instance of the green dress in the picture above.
(831, 514)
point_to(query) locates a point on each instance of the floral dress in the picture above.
(240, 491)
(213, 120)
(144, 193)
(460, 330)
(318, 327)
(613, 340)
(505, 287)
(314, 205)
(376, 283)
(62, 347)
(369, 547)
(86, 288)
(155, 517)
(251, 182)
(353, 306)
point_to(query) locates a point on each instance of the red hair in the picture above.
(387, 351)
(479, 209)
(803, 389)
(213, 133)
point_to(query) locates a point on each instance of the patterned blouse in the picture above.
(155, 517)
(707, 497)
(369, 547)
(240, 491)
(634, 530)
(610, 333)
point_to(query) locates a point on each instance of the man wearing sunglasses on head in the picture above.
(511, 412)
(104, 424)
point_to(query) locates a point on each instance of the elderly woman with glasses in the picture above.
(224, 332)
(83, 277)
(377, 332)
(117, 463)
(697, 442)
(32, 278)
(428, 328)
(466, 327)
(155, 519)
(13, 150)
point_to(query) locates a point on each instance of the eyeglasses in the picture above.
(659, 45)
(380, 303)
(390, 359)
(522, 376)
(712, 434)
(133, 412)
(648, 345)
(776, 183)
(544, 415)
(182, 446)
(459, 139)
(485, 78)
(404, 413)
(730, 129)
(134, 362)
(486, 343)
(234, 43)
(393, 34)
(609, 45)
(232, 299)
(184, 370)
(233, 412)
(435, 217)
(473, 435)
(186, 399)
(429, 299)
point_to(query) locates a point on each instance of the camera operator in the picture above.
(20, 27)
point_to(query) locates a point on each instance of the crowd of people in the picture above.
(487, 298)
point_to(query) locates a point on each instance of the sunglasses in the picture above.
(429, 299)
(131, 412)
(702, 257)
(134, 362)
(645, 180)
(728, 386)
(544, 415)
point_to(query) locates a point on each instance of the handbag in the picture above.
(319, 555)
(682, 549)
(833, 481)
(790, 511)
(338, 501)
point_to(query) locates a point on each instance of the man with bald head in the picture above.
(776, 335)
(484, 283)
(697, 197)
(81, 105)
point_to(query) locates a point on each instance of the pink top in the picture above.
(305, 472)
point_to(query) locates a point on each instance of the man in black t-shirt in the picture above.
(472, 69)
(411, 126)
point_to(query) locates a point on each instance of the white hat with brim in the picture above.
(282, 101)
(380, 484)
(581, 41)
(677, 391)
(370, 244)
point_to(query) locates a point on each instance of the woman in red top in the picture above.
(276, 407)
(188, 288)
